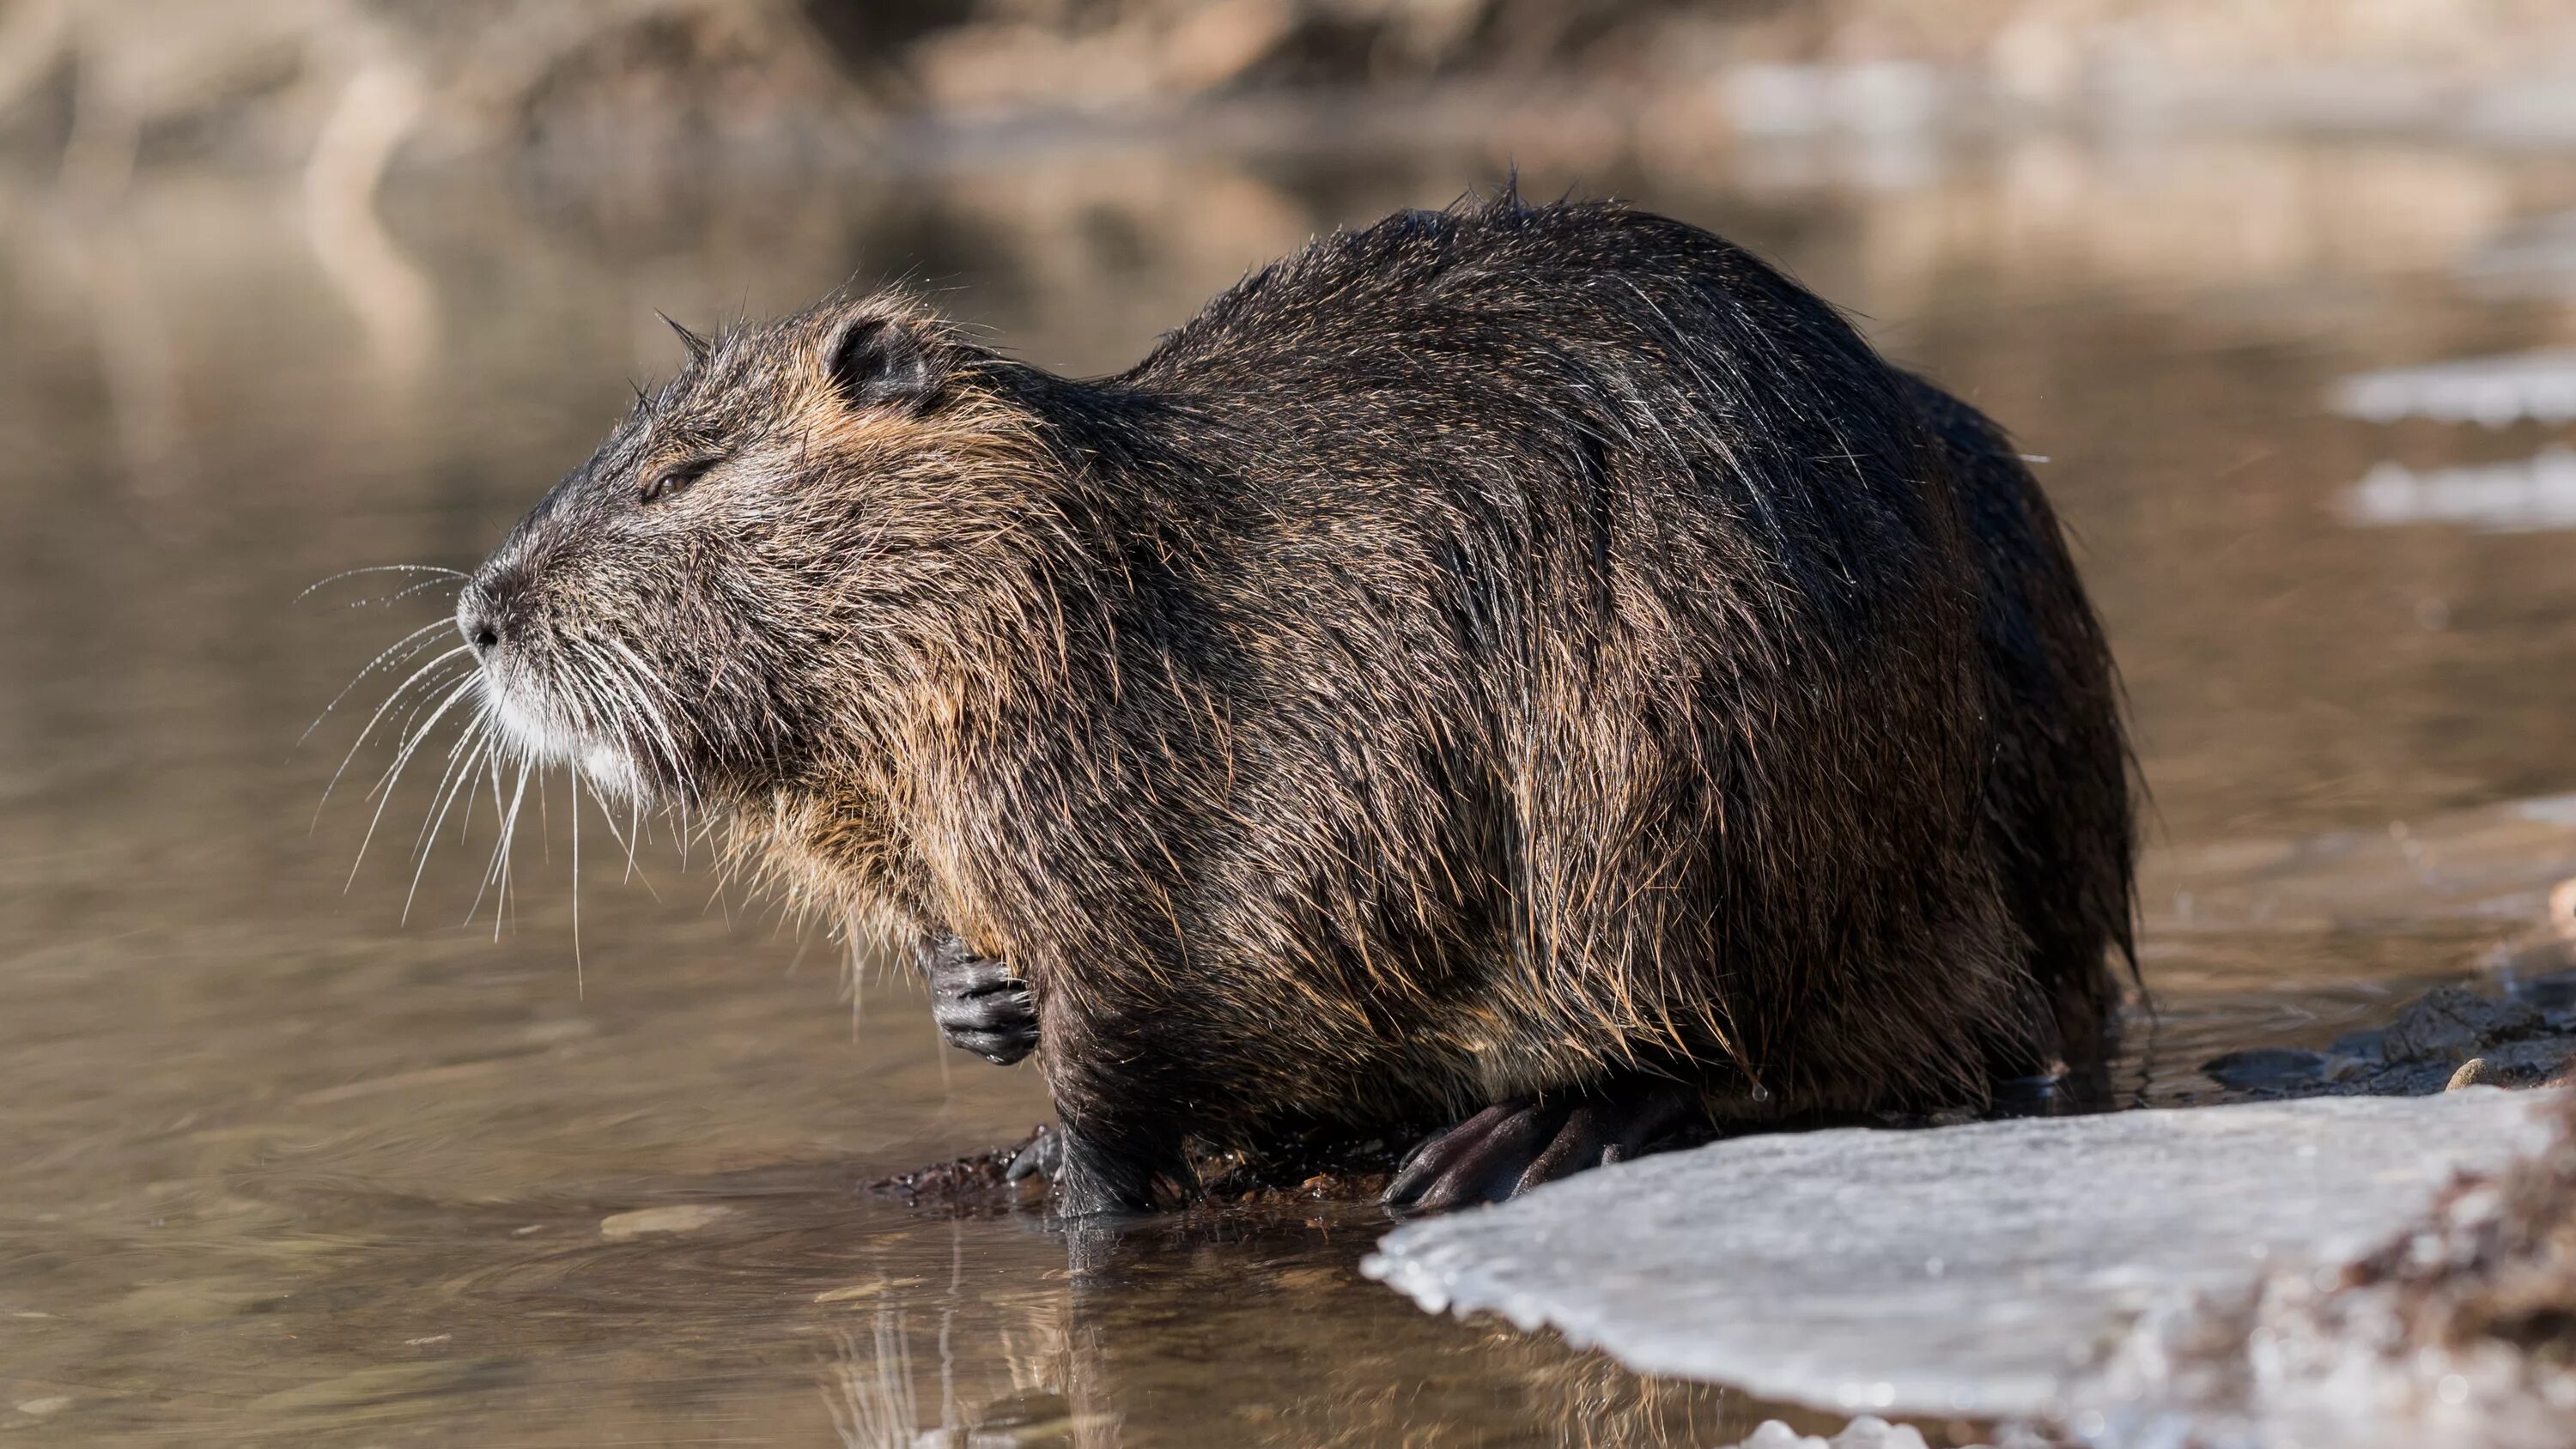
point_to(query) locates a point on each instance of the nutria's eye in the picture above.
(674, 478)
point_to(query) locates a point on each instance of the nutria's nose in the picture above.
(476, 620)
(482, 610)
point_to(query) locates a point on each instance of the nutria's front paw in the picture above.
(1514, 1146)
(979, 1005)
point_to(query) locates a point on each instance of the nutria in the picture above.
(1533, 665)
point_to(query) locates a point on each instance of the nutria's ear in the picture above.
(882, 361)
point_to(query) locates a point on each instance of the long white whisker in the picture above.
(405, 592)
(413, 732)
(580, 989)
(377, 717)
(477, 731)
(399, 646)
(530, 769)
(410, 746)
(501, 853)
(640, 686)
(378, 569)
(492, 766)
(460, 758)
(624, 835)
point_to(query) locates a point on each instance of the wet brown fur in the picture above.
(1483, 654)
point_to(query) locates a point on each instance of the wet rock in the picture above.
(683, 1218)
(2452, 1024)
(1993, 1271)
(2266, 1068)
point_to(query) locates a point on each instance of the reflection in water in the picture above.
(281, 1165)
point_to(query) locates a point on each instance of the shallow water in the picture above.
(276, 1162)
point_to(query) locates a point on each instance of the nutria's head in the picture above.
(759, 556)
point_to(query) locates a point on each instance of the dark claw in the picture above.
(1513, 1146)
(979, 1005)
(1041, 1156)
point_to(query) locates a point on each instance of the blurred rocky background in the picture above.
(93, 87)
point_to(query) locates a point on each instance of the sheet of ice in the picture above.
(2005, 1269)
(2540, 386)
(2534, 494)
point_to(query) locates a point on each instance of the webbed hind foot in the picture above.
(1515, 1145)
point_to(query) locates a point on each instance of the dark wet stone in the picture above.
(2367, 1045)
(2264, 1068)
(2452, 1024)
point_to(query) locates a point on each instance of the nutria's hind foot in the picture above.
(979, 1005)
(1515, 1145)
(1041, 1156)
(1103, 1175)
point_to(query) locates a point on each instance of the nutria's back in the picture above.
(1506, 655)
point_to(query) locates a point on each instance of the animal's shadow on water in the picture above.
(787, 1294)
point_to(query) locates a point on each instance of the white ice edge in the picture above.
(2528, 496)
(1992, 1270)
(2496, 391)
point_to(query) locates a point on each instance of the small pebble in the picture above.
(686, 1218)
(2473, 1073)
